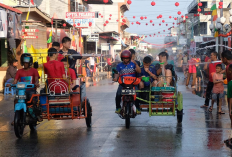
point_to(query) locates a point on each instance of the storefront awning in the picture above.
(98, 2)
(109, 37)
(10, 8)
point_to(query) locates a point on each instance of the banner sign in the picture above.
(80, 15)
(81, 22)
(30, 37)
(92, 38)
(30, 30)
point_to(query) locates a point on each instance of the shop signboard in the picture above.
(81, 23)
(92, 38)
(30, 33)
(80, 15)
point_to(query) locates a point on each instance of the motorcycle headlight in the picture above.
(20, 85)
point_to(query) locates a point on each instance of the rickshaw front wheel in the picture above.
(179, 116)
(18, 124)
(88, 119)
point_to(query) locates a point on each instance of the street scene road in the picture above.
(200, 134)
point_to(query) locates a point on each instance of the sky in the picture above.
(144, 8)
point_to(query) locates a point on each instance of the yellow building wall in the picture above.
(9, 2)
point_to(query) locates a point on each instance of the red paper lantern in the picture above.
(200, 4)
(123, 20)
(160, 16)
(151, 21)
(117, 20)
(123, 23)
(166, 24)
(102, 16)
(170, 17)
(221, 3)
(122, 16)
(198, 15)
(105, 1)
(104, 24)
(78, 24)
(184, 21)
(99, 14)
(158, 32)
(199, 9)
(129, 2)
(160, 24)
(132, 23)
(110, 15)
(206, 14)
(74, 25)
(172, 26)
(220, 7)
(145, 36)
(173, 23)
(164, 30)
(175, 18)
(90, 24)
(153, 3)
(182, 16)
(195, 15)
(209, 13)
(153, 24)
(109, 18)
(107, 21)
(163, 21)
(141, 18)
(134, 17)
(176, 4)
(178, 12)
(64, 24)
(145, 17)
(186, 16)
(146, 23)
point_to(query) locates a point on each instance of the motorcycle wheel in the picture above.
(127, 118)
(88, 119)
(18, 124)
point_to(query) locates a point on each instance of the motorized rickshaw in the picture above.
(68, 104)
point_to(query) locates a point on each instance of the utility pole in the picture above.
(221, 31)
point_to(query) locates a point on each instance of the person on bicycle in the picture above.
(127, 68)
(164, 67)
(28, 74)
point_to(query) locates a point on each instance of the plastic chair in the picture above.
(8, 91)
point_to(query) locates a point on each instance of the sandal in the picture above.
(210, 109)
(221, 112)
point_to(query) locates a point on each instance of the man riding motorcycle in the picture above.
(127, 68)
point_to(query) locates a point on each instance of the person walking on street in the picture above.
(185, 62)
(192, 71)
(211, 67)
(92, 63)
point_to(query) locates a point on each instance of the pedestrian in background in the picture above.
(92, 63)
(109, 64)
(192, 71)
(11, 72)
(185, 62)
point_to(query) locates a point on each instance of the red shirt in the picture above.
(71, 73)
(55, 69)
(192, 66)
(108, 61)
(212, 70)
(59, 58)
(206, 59)
(23, 75)
(229, 77)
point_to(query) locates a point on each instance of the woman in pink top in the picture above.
(218, 88)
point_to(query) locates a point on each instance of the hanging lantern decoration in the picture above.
(199, 9)
(154, 34)
(200, 4)
(134, 17)
(153, 24)
(163, 21)
(146, 23)
(78, 24)
(175, 18)
(137, 22)
(173, 23)
(160, 16)
(195, 15)
(107, 21)
(141, 18)
(164, 30)
(172, 26)
(145, 36)
(132, 23)
(99, 14)
(159, 32)
(123, 23)
(124, 20)
(102, 16)
(198, 15)
(186, 16)
(177, 4)
(221, 3)
(74, 25)
(117, 20)
(206, 14)
(90, 24)
(64, 24)
(110, 15)
(105, 1)
(153, 3)
(129, 2)
(182, 16)
(160, 24)
(178, 12)
(122, 16)
(145, 17)
(220, 7)
(209, 13)
(166, 24)
(151, 21)
(184, 21)
(109, 18)
(170, 17)
(150, 35)
(104, 24)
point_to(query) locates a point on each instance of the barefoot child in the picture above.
(218, 88)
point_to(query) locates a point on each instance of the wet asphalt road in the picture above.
(201, 134)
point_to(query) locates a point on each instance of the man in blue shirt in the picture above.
(147, 70)
(126, 68)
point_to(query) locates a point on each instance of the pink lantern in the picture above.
(153, 3)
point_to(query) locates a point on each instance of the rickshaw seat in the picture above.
(157, 89)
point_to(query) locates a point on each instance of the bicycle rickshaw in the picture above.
(68, 104)
(158, 101)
